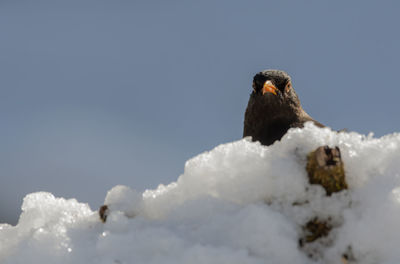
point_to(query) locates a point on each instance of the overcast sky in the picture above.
(95, 93)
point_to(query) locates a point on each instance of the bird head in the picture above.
(273, 90)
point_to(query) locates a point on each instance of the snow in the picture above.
(238, 203)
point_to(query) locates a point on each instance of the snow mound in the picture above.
(238, 203)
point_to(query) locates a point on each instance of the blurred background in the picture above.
(95, 93)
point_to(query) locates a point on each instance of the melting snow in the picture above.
(238, 203)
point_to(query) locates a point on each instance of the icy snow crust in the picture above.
(239, 203)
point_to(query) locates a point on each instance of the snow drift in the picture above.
(239, 203)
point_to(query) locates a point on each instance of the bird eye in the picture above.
(254, 87)
(288, 86)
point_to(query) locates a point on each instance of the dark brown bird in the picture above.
(273, 108)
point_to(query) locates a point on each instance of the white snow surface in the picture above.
(238, 203)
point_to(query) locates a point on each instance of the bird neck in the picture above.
(272, 131)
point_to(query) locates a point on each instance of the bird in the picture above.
(273, 108)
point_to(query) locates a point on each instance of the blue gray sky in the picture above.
(95, 93)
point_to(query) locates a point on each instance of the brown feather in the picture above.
(268, 116)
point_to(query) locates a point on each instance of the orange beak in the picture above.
(269, 88)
